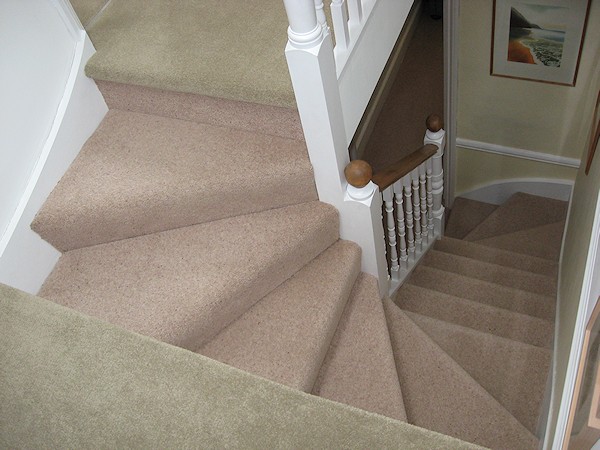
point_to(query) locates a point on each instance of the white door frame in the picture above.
(451, 21)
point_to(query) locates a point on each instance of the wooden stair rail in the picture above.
(411, 191)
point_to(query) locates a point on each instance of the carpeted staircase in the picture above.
(194, 219)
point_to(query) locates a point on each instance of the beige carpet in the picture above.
(189, 48)
(487, 305)
(140, 174)
(465, 215)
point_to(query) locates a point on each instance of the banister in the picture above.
(399, 169)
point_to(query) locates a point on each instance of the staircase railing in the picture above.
(411, 190)
(333, 86)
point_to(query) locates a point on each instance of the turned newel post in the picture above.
(435, 135)
(362, 202)
(304, 30)
(358, 175)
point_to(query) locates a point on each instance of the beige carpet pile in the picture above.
(191, 217)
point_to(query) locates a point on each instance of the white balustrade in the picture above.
(339, 17)
(398, 189)
(388, 201)
(414, 177)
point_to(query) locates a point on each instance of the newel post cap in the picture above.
(358, 173)
(434, 123)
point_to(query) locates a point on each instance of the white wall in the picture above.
(48, 109)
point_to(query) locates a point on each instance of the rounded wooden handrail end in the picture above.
(358, 173)
(434, 123)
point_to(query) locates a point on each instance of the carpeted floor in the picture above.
(205, 233)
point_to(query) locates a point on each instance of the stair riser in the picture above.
(272, 120)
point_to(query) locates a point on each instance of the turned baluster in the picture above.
(321, 15)
(398, 188)
(423, 195)
(410, 233)
(429, 168)
(388, 201)
(339, 17)
(414, 177)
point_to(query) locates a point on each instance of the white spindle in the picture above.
(429, 169)
(355, 10)
(423, 195)
(321, 15)
(410, 232)
(398, 188)
(339, 16)
(388, 201)
(414, 177)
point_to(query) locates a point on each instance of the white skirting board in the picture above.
(25, 259)
(499, 191)
(531, 155)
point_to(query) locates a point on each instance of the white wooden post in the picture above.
(356, 10)
(423, 195)
(339, 17)
(414, 176)
(388, 200)
(408, 208)
(435, 135)
(321, 15)
(398, 189)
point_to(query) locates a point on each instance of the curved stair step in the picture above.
(514, 373)
(359, 368)
(285, 336)
(140, 174)
(465, 215)
(541, 242)
(494, 273)
(484, 292)
(520, 212)
(441, 396)
(500, 257)
(478, 316)
(183, 286)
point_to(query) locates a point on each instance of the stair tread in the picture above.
(183, 286)
(502, 275)
(359, 369)
(465, 215)
(140, 174)
(542, 242)
(514, 373)
(478, 316)
(520, 212)
(501, 257)
(484, 291)
(284, 337)
(441, 396)
(129, 50)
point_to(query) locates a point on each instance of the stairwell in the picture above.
(193, 219)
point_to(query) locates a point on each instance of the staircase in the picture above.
(194, 219)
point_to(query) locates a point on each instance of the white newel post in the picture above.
(435, 135)
(311, 63)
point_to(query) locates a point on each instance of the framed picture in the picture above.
(538, 39)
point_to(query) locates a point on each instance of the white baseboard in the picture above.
(531, 155)
(25, 259)
(497, 192)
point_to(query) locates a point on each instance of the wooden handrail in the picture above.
(399, 169)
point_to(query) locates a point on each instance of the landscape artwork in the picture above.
(537, 35)
(538, 40)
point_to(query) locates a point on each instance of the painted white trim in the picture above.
(518, 153)
(70, 19)
(451, 50)
(25, 259)
(587, 297)
(498, 191)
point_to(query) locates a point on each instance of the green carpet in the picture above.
(153, 44)
(70, 381)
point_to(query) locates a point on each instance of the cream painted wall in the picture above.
(576, 243)
(517, 113)
(476, 169)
